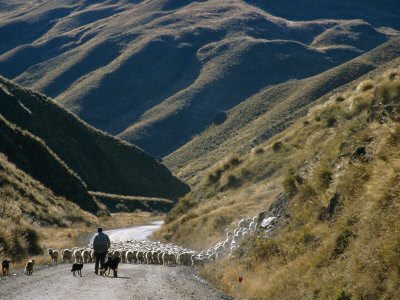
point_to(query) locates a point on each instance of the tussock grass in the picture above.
(342, 238)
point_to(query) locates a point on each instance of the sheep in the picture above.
(29, 267)
(149, 257)
(135, 259)
(86, 256)
(77, 254)
(66, 255)
(160, 258)
(123, 256)
(129, 257)
(155, 257)
(165, 258)
(53, 255)
(140, 257)
(92, 257)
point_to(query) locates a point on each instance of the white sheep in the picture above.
(77, 255)
(66, 255)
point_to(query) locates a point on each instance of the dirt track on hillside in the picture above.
(134, 282)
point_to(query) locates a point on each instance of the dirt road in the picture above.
(134, 281)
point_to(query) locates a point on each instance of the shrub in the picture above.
(233, 182)
(339, 98)
(258, 150)
(324, 178)
(220, 118)
(215, 176)
(330, 121)
(387, 92)
(365, 86)
(183, 206)
(263, 249)
(277, 146)
(188, 217)
(289, 185)
(234, 161)
(342, 242)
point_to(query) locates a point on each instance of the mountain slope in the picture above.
(104, 163)
(268, 112)
(156, 73)
(27, 205)
(335, 232)
(35, 158)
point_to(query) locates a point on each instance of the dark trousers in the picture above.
(100, 258)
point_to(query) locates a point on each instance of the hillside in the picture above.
(336, 169)
(35, 158)
(26, 205)
(268, 112)
(157, 73)
(104, 163)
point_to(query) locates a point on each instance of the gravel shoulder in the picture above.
(134, 282)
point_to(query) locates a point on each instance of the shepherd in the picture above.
(101, 244)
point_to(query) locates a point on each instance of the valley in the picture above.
(207, 115)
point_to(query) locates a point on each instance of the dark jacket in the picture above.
(101, 243)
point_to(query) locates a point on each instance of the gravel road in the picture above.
(134, 281)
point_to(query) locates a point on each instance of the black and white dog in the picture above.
(77, 267)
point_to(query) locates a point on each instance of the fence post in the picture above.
(239, 284)
(44, 253)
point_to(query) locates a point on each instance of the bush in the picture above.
(233, 182)
(188, 217)
(324, 178)
(330, 121)
(365, 86)
(342, 242)
(277, 146)
(183, 206)
(289, 185)
(263, 249)
(258, 150)
(215, 176)
(234, 161)
(339, 98)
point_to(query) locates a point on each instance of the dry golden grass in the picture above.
(353, 250)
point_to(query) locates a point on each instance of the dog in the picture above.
(110, 264)
(77, 267)
(29, 267)
(5, 264)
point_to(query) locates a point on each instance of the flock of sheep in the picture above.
(149, 252)
(246, 226)
(136, 252)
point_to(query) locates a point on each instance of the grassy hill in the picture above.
(338, 235)
(104, 163)
(27, 205)
(268, 112)
(35, 158)
(157, 73)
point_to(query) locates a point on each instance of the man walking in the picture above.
(101, 244)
